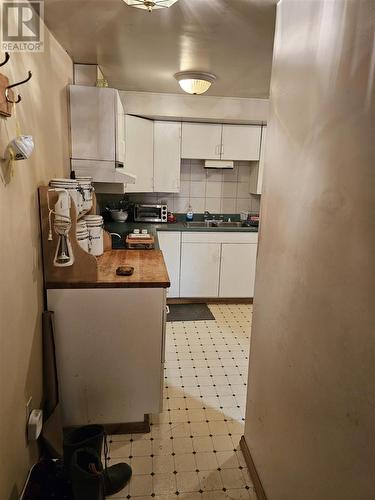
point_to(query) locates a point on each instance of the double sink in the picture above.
(215, 223)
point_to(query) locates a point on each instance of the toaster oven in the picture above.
(150, 213)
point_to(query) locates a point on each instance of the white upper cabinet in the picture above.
(256, 177)
(120, 131)
(241, 142)
(93, 123)
(201, 141)
(211, 141)
(139, 153)
(167, 156)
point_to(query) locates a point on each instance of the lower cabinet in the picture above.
(170, 245)
(109, 354)
(200, 264)
(237, 270)
(210, 264)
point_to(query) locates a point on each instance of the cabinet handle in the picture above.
(222, 150)
(167, 309)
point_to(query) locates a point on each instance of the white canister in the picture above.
(85, 185)
(95, 229)
(81, 226)
(71, 185)
(83, 235)
(83, 240)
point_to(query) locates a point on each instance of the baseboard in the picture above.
(123, 427)
(129, 427)
(208, 300)
(252, 470)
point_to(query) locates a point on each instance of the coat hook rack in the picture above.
(7, 57)
(16, 85)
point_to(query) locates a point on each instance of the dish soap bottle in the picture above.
(189, 214)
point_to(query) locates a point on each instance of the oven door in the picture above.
(148, 213)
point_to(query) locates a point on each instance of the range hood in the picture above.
(219, 164)
(107, 176)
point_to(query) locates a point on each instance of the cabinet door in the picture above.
(201, 141)
(120, 131)
(167, 157)
(92, 123)
(170, 245)
(109, 353)
(200, 266)
(139, 153)
(237, 272)
(241, 142)
(256, 177)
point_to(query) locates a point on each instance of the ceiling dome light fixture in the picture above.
(150, 5)
(195, 82)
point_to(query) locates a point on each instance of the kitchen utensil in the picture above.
(62, 225)
(71, 186)
(119, 215)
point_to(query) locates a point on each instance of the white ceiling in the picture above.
(141, 51)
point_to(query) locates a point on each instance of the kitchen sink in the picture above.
(214, 223)
(229, 224)
(200, 224)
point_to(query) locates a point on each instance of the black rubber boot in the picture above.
(87, 475)
(89, 436)
(93, 436)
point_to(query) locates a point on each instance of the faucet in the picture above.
(208, 216)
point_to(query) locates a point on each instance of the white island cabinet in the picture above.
(110, 355)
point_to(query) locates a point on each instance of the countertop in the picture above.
(149, 266)
(128, 227)
(149, 271)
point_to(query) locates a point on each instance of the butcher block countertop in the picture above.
(149, 271)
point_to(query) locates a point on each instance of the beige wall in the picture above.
(43, 114)
(311, 402)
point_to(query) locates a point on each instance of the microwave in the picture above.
(150, 213)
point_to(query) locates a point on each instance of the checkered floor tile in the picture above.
(193, 449)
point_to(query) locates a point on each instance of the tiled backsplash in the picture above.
(218, 191)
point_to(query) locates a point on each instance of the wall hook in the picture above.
(15, 85)
(7, 57)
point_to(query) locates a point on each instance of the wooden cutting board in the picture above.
(140, 243)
